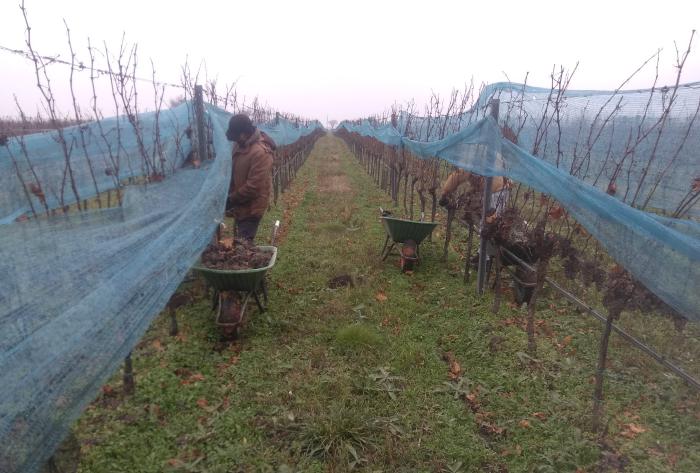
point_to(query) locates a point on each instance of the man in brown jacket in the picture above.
(251, 178)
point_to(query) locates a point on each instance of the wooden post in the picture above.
(128, 379)
(497, 285)
(199, 118)
(481, 278)
(173, 316)
(468, 256)
(597, 417)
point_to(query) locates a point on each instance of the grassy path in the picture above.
(397, 373)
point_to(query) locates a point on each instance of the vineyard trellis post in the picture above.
(481, 275)
(128, 377)
(598, 403)
(199, 118)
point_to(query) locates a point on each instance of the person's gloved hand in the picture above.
(443, 201)
(491, 216)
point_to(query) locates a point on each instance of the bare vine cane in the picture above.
(497, 282)
(43, 82)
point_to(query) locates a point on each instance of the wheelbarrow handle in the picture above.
(384, 213)
(275, 229)
(217, 233)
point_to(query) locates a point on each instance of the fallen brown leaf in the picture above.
(565, 342)
(454, 366)
(487, 428)
(472, 402)
(192, 378)
(631, 430)
(455, 369)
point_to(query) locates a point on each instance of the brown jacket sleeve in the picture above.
(258, 175)
(454, 180)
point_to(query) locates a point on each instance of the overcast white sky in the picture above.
(330, 59)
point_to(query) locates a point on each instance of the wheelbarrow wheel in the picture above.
(231, 314)
(409, 255)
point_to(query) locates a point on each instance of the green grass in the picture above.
(357, 338)
(354, 379)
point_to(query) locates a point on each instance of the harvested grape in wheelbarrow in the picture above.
(241, 254)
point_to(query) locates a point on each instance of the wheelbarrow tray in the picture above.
(401, 230)
(246, 280)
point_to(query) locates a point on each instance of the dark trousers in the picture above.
(247, 228)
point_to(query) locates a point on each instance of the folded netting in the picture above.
(644, 142)
(78, 291)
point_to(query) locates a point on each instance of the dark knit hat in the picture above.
(239, 124)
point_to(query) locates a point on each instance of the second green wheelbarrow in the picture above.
(401, 231)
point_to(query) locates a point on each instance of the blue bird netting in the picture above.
(37, 172)
(643, 142)
(77, 291)
(636, 239)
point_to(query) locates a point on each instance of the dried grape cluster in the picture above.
(623, 292)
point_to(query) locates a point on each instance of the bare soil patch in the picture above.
(343, 280)
(331, 178)
(335, 183)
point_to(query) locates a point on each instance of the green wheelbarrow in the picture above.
(401, 231)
